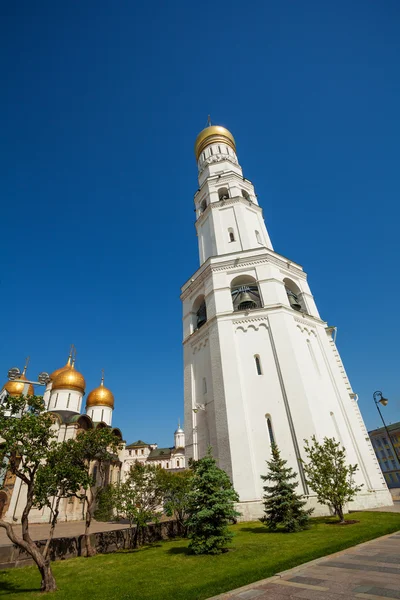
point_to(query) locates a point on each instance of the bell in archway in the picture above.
(293, 301)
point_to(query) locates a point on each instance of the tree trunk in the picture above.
(339, 512)
(48, 582)
(52, 528)
(136, 538)
(89, 550)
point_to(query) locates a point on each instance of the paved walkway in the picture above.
(370, 570)
(39, 531)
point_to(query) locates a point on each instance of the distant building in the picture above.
(384, 452)
(171, 459)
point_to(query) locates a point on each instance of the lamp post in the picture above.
(379, 399)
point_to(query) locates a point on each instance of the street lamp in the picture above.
(379, 399)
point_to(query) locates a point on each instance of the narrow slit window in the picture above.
(231, 234)
(258, 365)
(204, 385)
(177, 463)
(55, 403)
(69, 398)
(219, 149)
(211, 151)
(258, 237)
(270, 430)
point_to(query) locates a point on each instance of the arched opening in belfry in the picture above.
(246, 195)
(202, 207)
(245, 293)
(223, 193)
(293, 293)
(199, 312)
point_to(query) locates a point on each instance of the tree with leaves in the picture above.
(139, 498)
(26, 435)
(211, 507)
(96, 448)
(329, 475)
(176, 488)
(283, 507)
(63, 475)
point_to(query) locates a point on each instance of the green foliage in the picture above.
(139, 498)
(104, 504)
(26, 435)
(63, 475)
(210, 507)
(165, 571)
(283, 507)
(328, 474)
(176, 488)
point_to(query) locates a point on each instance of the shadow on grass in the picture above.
(7, 586)
(181, 550)
(134, 550)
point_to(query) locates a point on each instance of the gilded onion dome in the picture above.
(62, 369)
(69, 379)
(16, 388)
(212, 135)
(100, 396)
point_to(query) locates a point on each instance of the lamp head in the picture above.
(383, 401)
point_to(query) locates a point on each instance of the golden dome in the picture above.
(100, 396)
(69, 379)
(211, 135)
(16, 388)
(61, 369)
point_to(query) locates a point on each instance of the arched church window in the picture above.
(167, 465)
(199, 313)
(258, 364)
(231, 234)
(94, 474)
(142, 451)
(293, 293)
(177, 463)
(270, 430)
(258, 237)
(245, 293)
(223, 193)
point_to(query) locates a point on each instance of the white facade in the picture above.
(259, 362)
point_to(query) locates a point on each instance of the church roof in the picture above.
(160, 453)
(138, 444)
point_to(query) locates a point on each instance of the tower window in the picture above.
(270, 430)
(223, 193)
(55, 403)
(199, 313)
(258, 237)
(167, 465)
(246, 195)
(219, 149)
(102, 414)
(231, 234)
(245, 293)
(227, 149)
(211, 151)
(258, 364)
(294, 295)
(202, 207)
(142, 451)
(177, 463)
(69, 398)
(204, 385)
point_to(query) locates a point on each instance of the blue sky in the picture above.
(100, 106)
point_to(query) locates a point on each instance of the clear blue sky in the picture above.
(100, 106)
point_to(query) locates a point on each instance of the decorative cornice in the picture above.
(217, 158)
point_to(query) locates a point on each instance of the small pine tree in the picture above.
(283, 507)
(210, 507)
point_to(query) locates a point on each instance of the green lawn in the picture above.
(166, 571)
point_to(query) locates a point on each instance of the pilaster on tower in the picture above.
(228, 217)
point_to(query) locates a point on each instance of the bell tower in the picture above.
(260, 365)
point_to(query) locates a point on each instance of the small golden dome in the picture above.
(100, 396)
(69, 379)
(61, 369)
(16, 388)
(211, 135)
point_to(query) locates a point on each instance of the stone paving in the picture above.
(370, 570)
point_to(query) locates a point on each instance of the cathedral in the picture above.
(260, 364)
(63, 397)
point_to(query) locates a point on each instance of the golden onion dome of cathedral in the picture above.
(100, 396)
(61, 369)
(212, 135)
(69, 379)
(16, 388)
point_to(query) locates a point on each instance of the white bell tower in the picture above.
(260, 365)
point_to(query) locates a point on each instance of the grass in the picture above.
(166, 571)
